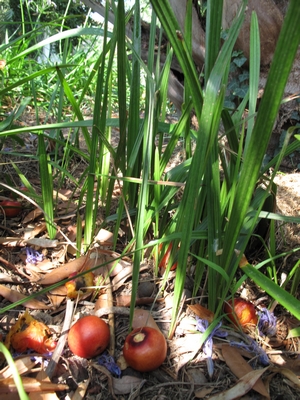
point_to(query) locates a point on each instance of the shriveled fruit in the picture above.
(28, 333)
(145, 349)
(241, 312)
(88, 337)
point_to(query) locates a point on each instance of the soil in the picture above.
(186, 373)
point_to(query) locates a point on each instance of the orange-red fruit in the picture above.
(11, 208)
(145, 349)
(88, 337)
(241, 312)
(28, 333)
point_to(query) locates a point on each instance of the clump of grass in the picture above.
(222, 200)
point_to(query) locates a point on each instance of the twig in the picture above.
(62, 340)
(112, 310)
(111, 319)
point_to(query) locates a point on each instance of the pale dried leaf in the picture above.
(43, 396)
(12, 241)
(63, 194)
(104, 237)
(65, 271)
(81, 390)
(56, 300)
(184, 349)
(288, 374)
(30, 385)
(59, 291)
(65, 208)
(46, 265)
(32, 215)
(13, 296)
(85, 263)
(124, 274)
(102, 302)
(124, 300)
(42, 376)
(201, 393)
(31, 232)
(202, 312)
(23, 365)
(72, 233)
(240, 367)
(7, 278)
(43, 243)
(143, 318)
(241, 387)
(190, 343)
(126, 384)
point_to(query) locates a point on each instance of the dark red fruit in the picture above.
(88, 337)
(145, 349)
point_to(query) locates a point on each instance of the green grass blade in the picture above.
(47, 186)
(254, 71)
(144, 190)
(213, 34)
(276, 292)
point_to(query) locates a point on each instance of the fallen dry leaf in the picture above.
(13, 296)
(288, 374)
(41, 242)
(72, 233)
(66, 270)
(123, 274)
(56, 300)
(102, 302)
(7, 278)
(241, 387)
(12, 242)
(30, 385)
(202, 312)
(81, 390)
(85, 263)
(201, 393)
(23, 365)
(240, 367)
(32, 215)
(51, 395)
(143, 318)
(124, 300)
(104, 237)
(126, 384)
(184, 349)
(34, 231)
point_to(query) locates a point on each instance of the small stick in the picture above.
(62, 340)
(111, 319)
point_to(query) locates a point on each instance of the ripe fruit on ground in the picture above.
(241, 312)
(145, 349)
(88, 337)
(11, 208)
